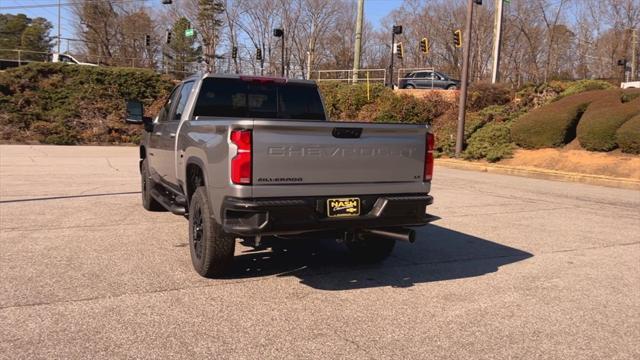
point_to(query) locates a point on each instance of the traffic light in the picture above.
(399, 51)
(478, 2)
(147, 40)
(234, 52)
(457, 38)
(258, 54)
(278, 32)
(424, 46)
(168, 37)
(166, 2)
(397, 29)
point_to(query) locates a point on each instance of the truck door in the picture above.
(155, 146)
(170, 129)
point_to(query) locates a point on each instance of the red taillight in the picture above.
(241, 163)
(428, 158)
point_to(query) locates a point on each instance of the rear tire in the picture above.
(146, 184)
(452, 87)
(211, 248)
(370, 248)
(409, 87)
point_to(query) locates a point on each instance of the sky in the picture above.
(375, 10)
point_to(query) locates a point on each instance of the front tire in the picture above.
(410, 87)
(211, 248)
(452, 87)
(146, 184)
(370, 248)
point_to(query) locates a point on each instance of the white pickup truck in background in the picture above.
(630, 85)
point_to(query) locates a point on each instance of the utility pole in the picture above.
(465, 78)
(497, 41)
(356, 57)
(310, 47)
(59, 36)
(634, 54)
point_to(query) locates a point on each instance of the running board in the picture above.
(173, 206)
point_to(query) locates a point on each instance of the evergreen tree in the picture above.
(24, 33)
(182, 47)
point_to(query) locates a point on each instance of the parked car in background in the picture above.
(68, 59)
(55, 57)
(427, 79)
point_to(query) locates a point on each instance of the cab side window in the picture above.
(181, 102)
(163, 116)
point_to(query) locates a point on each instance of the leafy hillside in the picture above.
(64, 104)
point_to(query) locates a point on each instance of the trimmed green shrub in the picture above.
(406, 109)
(597, 129)
(484, 94)
(491, 142)
(628, 136)
(344, 101)
(581, 86)
(554, 125)
(445, 127)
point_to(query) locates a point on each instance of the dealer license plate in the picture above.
(343, 207)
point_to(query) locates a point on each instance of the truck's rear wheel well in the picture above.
(195, 178)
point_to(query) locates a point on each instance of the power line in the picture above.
(40, 6)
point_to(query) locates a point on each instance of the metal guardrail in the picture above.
(23, 57)
(362, 75)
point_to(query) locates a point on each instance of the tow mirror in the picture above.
(135, 115)
(135, 112)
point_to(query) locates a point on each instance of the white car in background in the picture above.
(630, 85)
(68, 59)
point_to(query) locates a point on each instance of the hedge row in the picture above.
(553, 125)
(62, 104)
(597, 128)
(491, 142)
(350, 102)
(628, 136)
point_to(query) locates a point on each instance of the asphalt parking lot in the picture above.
(516, 268)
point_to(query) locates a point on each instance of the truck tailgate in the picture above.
(316, 152)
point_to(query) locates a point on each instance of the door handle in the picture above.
(159, 133)
(172, 135)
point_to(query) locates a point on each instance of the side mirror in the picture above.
(135, 115)
(135, 112)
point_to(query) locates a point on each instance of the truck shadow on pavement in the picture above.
(438, 254)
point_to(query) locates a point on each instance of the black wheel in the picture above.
(409, 87)
(211, 248)
(148, 202)
(452, 87)
(370, 248)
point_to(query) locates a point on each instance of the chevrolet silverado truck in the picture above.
(248, 157)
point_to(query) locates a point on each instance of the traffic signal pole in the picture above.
(465, 79)
(393, 46)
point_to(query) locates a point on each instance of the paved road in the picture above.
(516, 268)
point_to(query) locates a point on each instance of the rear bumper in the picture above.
(270, 216)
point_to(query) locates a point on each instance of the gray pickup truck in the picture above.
(248, 157)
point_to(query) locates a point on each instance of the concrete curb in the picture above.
(539, 173)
